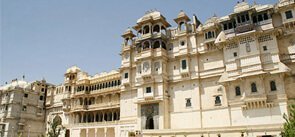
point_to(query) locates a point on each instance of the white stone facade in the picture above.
(22, 110)
(231, 76)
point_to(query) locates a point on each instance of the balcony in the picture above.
(112, 104)
(148, 96)
(256, 102)
(126, 82)
(148, 53)
(244, 27)
(184, 73)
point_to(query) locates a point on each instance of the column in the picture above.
(105, 132)
(87, 132)
(95, 132)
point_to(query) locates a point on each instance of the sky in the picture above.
(42, 38)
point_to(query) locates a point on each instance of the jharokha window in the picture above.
(183, 64)
(238, 91)
(253, 87)
(273, 86)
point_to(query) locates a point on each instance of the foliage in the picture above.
(55, 129)
(289, 126)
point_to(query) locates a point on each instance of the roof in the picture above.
(151, 16)
(181, 15)
(73, 69)
(16, 83)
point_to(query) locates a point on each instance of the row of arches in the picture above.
(97, 116)
(147, 29)
(99, 86)
(96, 100)
(151, 45)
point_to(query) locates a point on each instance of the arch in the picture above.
(149, 123)
(138, 48)
(146, 29)
(253, 87)
(146, 45)
(97, 117)
(57, 120)
(182, 26)
(81, 101)
(110, 116)
(156, 29)
(273, 86)
(163, 30)
(217, 100)
(163, 45)
(139, 33)
(238, 90)
(209, 35)
(156, 44)
(90, 117)
(105, 117)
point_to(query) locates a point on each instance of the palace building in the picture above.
(22, 111)
(230, 76)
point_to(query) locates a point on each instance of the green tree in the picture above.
(55, 129)
(289, 126)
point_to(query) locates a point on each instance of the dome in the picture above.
(128, 32)
(73, 69)
(241, 6)
(182, 15)
(16, 83)
(211, 21)
(150, 15)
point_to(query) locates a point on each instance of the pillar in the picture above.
(105, 132)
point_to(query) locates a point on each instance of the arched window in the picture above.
(146, 45)
(163, 45)
(273, 86)
(253, 87)
(217, 100)
(182, 26)
(146, 29)
(57, 120)
(163, 30)
(81, 101)
(97, 117)
(156, 44)
(238, 91)
(209, 35)
(156, 29)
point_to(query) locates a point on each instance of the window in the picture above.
(182, 43)
(6, 107)
(183, 64)
(289, 14)
(24, 108)
(217, 101)
(253, 87)
(248, 48)
(26, 95)
(148, 90)
(265, 16)
(188, 102)
(264, 48)
(235, 54)
(209, 35)
(41, 97)
(225, 27)
(238, 91)
(126, 75)
(273, 86)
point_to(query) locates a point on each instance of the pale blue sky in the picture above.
(42, 38)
